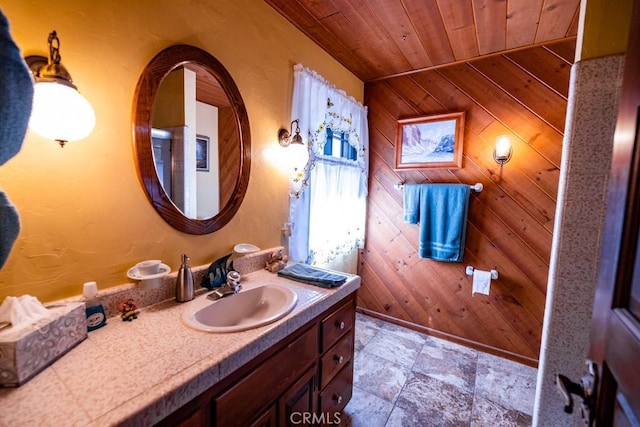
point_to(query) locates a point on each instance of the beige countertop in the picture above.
(136, 373)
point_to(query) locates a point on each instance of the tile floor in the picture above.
(405, 378)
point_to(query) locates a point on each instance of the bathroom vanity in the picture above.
(156, 370)
(309, 372)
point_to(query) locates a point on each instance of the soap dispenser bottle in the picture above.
(184, 282)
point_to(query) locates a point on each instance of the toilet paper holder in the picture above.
(469, 271)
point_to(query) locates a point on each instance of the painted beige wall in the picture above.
(604, 28)
(83, 211)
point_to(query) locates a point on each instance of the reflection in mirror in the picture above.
(188, 163)
(192, 139)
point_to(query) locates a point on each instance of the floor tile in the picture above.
(365, 320)
(404, 332)
(365, 409)
(508, 383)
(394, 348)
(448, 362)
(406, 378)
(366, 328)
(378, 376)
(425, 401)
(489, 414)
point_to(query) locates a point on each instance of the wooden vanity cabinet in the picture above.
(336, 368)
(309, 372)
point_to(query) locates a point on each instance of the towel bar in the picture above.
(478, 187)
(469, 271)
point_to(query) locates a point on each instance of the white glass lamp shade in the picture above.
(60, 113)
(502, 151)
(298, 155)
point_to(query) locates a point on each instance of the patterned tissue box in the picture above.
(27, 350)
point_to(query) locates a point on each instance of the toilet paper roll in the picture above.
(481, 282)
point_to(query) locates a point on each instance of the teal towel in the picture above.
(311, 275)
(411, 201)
(443, 221)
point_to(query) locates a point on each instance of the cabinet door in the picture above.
(267, 419)
(298, 404)
(259, 389)
(195, 420)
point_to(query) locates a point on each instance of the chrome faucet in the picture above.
(232, 286)
(223, 291)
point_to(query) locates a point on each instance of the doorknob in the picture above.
(586, 389)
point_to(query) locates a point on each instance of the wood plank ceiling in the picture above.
(506, 64)
(376, 39)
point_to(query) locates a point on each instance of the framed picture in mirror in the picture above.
(202, 153)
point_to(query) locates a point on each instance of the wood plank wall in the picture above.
(522, 94)
(228, 153)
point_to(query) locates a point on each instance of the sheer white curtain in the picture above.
(328, 209)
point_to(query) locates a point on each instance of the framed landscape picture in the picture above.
(429, 142)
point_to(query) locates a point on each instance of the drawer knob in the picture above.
(340, 325)
(337, 398)
(339, 359)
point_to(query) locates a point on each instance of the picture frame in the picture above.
(429, 142)
(202, 153)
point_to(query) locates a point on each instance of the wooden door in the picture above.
(615, 339)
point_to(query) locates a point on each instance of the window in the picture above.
(337, 145)
(335, 179)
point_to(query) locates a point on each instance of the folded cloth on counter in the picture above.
(313, 276)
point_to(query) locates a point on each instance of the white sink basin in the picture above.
(247, 309)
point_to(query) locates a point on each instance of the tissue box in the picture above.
(27, 350)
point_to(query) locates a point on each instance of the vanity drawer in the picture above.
(337, 324)
(269, 379)
(337, 394)
(335, 359)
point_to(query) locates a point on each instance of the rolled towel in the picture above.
(9, 227)
(16, 96)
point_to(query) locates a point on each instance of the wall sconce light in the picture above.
(59, 111)
(297, 152)
(502, 151)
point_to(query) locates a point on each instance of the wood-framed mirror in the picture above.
(190, 126)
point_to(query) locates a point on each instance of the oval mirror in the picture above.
(192, 139)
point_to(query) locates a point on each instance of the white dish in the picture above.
(148, 267)
(134, 274)
(245, 248)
